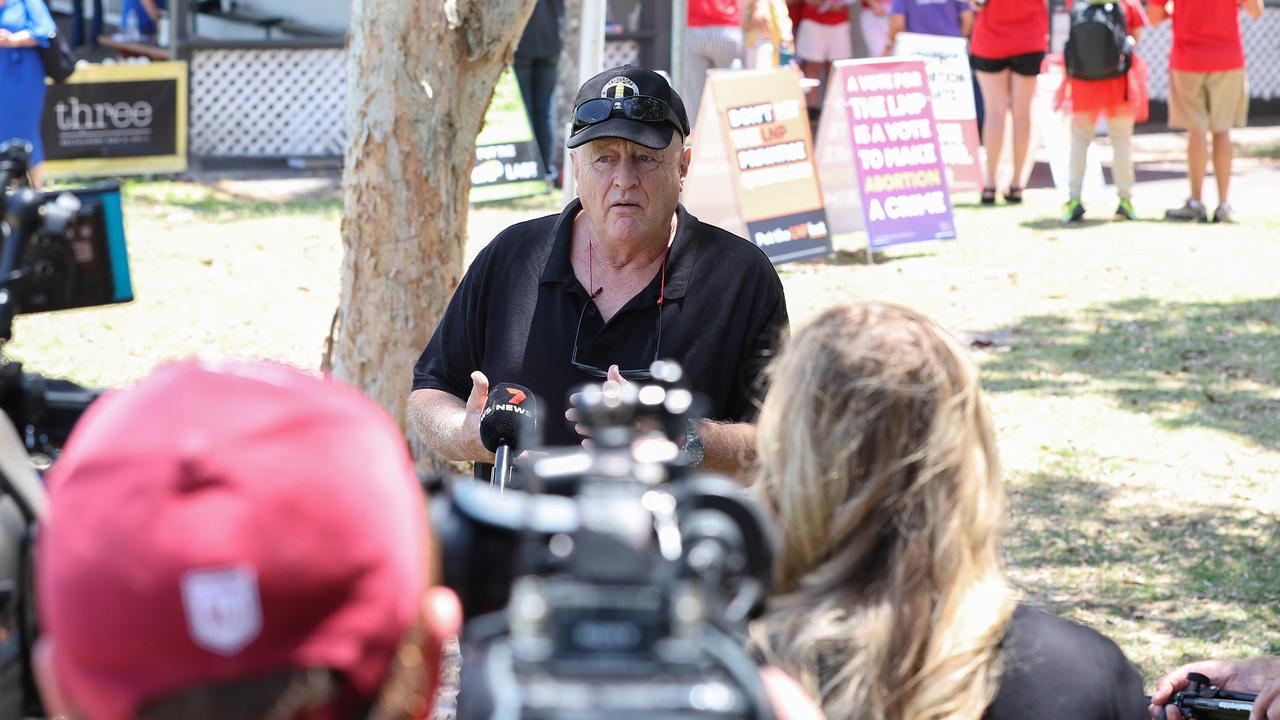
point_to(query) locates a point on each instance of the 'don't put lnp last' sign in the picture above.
(752, 171)
(882, 115)
(508, 164)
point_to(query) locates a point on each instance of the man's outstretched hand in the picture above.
(1259, 675)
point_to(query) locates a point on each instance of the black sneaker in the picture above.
(1191, 211)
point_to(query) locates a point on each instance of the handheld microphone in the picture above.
(510, 417)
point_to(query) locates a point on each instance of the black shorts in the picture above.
(1028, 64)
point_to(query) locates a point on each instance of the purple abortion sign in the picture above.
(902, 179)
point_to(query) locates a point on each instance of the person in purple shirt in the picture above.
(952, 18)
(930, 17)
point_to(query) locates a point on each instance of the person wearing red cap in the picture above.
(237, 540)
(241, 541)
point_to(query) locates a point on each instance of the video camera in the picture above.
(60, 250)
(618, 583)
(1205, 701)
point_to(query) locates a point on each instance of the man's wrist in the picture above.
(692, 449)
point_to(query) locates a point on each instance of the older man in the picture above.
(622, 276)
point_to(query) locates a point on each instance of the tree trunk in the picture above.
(420, 74)
(567, 81)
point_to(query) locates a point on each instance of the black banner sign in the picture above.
(800, 236)
(111, 119)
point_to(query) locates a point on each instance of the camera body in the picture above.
(1205, 701)
(60, 250)
(619, 585)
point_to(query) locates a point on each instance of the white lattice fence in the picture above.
(1261, 51)
(620, 52)
(268, 103)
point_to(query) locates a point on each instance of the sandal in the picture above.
(1013, 195)
(988, 196)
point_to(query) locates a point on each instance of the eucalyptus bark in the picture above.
(420, 74)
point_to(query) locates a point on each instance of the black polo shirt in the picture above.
(515, 313)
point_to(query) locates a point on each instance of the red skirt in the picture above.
(1125, 95)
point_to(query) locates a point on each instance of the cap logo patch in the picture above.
(224, 613)
(620, 87)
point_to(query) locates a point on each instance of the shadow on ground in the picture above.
(1213, 365)
(1065, 530)
(859, 257)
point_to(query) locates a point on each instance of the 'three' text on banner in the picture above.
(117, 120)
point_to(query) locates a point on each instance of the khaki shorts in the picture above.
(1215, 101)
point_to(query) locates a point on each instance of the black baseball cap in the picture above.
(623, 82)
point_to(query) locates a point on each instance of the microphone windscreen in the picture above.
(510, 416)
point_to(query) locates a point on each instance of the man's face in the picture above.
(629, 191)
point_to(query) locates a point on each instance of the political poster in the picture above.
(117, 120)
(508, 164)
(752, 134)
(897, 159)
(946, 60)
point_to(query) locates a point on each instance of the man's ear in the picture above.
(573, 159)
(442, 620)
(46, 679)
(686, 157)
(442, 614)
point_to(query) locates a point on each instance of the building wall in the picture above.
(332, 16)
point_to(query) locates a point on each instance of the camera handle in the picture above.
(15, 158)
(21, 220)
(26, 211)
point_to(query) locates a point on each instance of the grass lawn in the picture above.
(1134, 370)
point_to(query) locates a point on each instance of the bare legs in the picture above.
(1197, 158)
(1024, 91)
(995, 103)
(1221, 164)
(816, 71)
(1004, 92)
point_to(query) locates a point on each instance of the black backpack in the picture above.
(1098, 46)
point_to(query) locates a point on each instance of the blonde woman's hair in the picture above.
(878, 459)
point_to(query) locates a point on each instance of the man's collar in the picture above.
(559, 268)
(684, 250)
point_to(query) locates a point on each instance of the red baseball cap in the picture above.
(222, 521)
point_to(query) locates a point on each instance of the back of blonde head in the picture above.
(878, 458)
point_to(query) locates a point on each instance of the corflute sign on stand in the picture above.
(508, 164)
(955, 111)
(752, 135)
(900, 176)
(117, 120)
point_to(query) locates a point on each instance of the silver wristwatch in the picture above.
(693, 450)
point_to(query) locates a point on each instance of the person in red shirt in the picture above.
(1123, 102)
(1006, 49)
(822, 37)
(714, 39)
(1208, 91)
